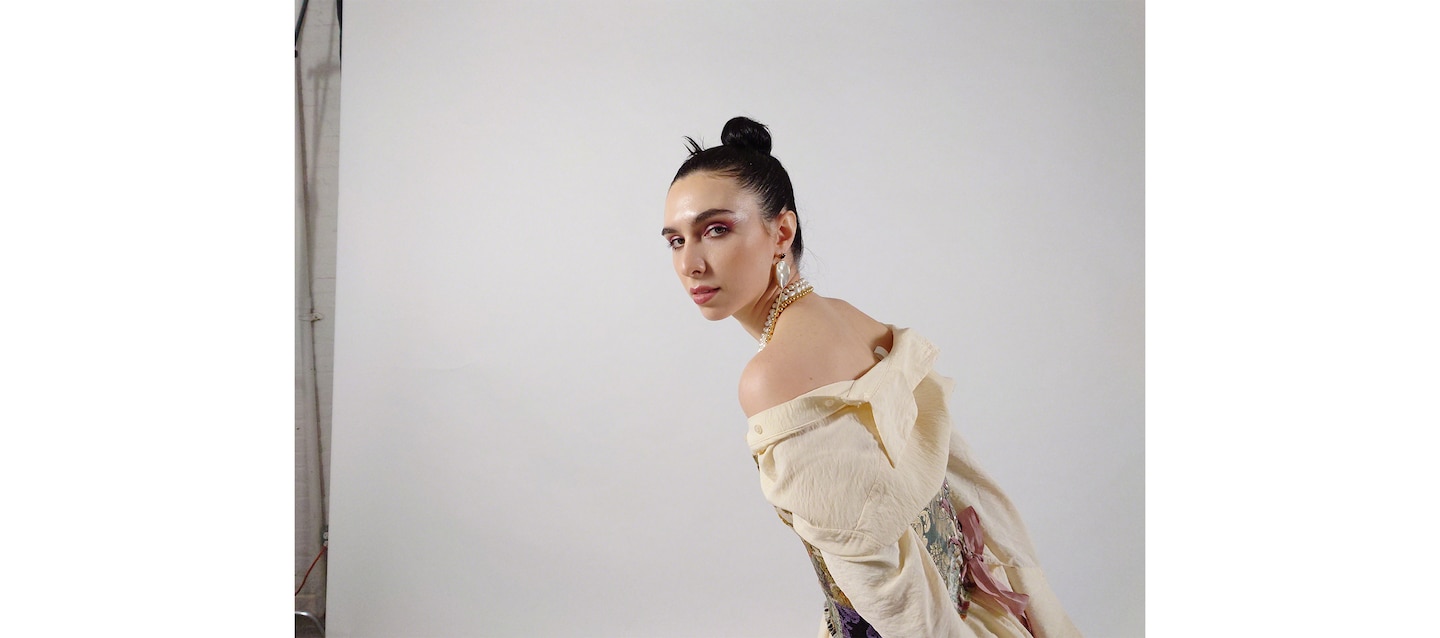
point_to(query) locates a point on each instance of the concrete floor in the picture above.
(307, 626)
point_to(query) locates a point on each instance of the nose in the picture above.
(692, 261)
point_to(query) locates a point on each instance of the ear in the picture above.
(785, 224)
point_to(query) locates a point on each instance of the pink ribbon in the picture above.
(974, 569)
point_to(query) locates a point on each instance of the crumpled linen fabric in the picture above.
(850, 465)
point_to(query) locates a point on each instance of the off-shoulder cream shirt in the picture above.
(850, 465)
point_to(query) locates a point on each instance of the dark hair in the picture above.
(744, 154)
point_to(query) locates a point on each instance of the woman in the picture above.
(849, 424)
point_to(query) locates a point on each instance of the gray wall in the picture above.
(317, 159)
(536, 434)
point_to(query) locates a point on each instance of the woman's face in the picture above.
(721, 244)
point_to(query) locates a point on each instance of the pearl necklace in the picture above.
(797, 289)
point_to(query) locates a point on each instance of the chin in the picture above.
(714, 314)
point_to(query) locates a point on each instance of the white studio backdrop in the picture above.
(537, 434)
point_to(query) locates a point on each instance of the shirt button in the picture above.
(829, 403)
(758, 429)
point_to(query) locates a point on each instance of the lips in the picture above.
(702, 294)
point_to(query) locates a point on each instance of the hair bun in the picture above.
(745, 133)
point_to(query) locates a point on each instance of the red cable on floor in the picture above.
(312, 566)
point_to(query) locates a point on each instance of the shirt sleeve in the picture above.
(897, 590)
(853, 481)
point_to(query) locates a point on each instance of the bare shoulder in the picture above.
(791, 364)
(816, 343)
(860, 328)
(769, 380)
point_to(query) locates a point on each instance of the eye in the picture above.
(717, 230)
(675, 241)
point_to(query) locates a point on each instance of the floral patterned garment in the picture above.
(940, 528)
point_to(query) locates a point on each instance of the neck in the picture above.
(779, 300)
(752, 318)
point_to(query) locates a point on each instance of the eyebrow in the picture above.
(699, 219)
